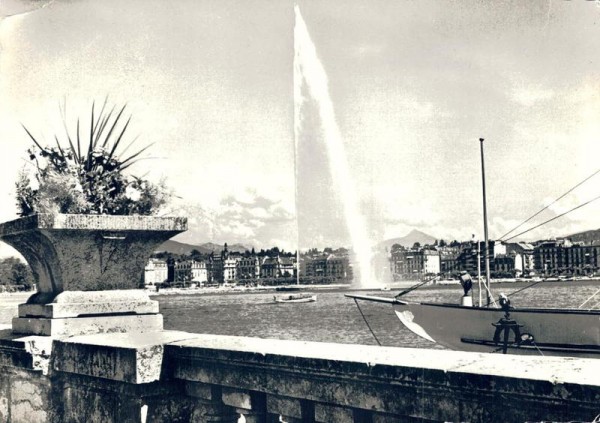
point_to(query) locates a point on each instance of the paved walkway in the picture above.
(9, 303)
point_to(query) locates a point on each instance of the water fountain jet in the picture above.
(309, 70)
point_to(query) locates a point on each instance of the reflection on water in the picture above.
(335, 318)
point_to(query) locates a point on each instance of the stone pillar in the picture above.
(25, 397)
(327, 413)
(88, 269)
(252, 405)
(89, 344)
(208, 405)
(291, 410)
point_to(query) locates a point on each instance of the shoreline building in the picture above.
(278, 267)
(326, 265)
(562, 257)
(155, 272)
(199, 271)
(414, 263)
(249, 267)
(506, 260)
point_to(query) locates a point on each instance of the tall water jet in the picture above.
(309, 70)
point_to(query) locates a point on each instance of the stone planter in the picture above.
(69, 254)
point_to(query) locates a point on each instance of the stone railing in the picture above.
(171, 376)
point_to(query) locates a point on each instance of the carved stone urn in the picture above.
(87, 266)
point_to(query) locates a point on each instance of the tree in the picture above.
(183, 276)
(14, 272)
(397, 247)
(416, 245)
(21, 275)
(162, 255)
(195, 254)
(442, 243)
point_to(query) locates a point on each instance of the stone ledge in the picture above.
(99, 222)
(71, 326)
(26, 352)
(555, 369)
(60, 310)
(79, 297)
(129, 357)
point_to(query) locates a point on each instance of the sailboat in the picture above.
(500, 328)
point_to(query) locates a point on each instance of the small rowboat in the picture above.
(295, 298)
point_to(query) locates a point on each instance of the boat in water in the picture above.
(491, 327)
(295, 298)
(287, 288)
(538, 331)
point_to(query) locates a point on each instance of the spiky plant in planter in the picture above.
(85, 174)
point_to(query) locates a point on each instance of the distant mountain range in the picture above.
(176, 247)
(423, 238)
(585, 236)
(408, 240)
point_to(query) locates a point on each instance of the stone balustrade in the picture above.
(171, 376)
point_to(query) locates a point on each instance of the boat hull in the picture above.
(563, 332)
(291, 299)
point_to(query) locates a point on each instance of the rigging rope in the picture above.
(559, 198)
(368, 325)
(491, 297)
(592, 296)
(418, 285)
(522, 289)
(554, 218)
(517, 345)
(536, 347)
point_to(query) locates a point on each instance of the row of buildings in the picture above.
(559, 257)
(548, 258)
(228, 267)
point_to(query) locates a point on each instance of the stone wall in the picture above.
(173, 376)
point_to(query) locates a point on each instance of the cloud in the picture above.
(575, 220)
(246, 217)
(7, 251)
(401, 206)
(367, 50)
(531, 95)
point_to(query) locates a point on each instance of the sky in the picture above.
(413, 84)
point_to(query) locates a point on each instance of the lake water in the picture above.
(336, 318)
(332, 318)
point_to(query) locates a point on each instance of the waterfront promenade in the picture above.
(176, 376)
(164, 376)
(9, 303)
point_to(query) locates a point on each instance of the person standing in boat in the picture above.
(466, 282)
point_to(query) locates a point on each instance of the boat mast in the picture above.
(486, 249)
(479, 270)
(298, 266)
